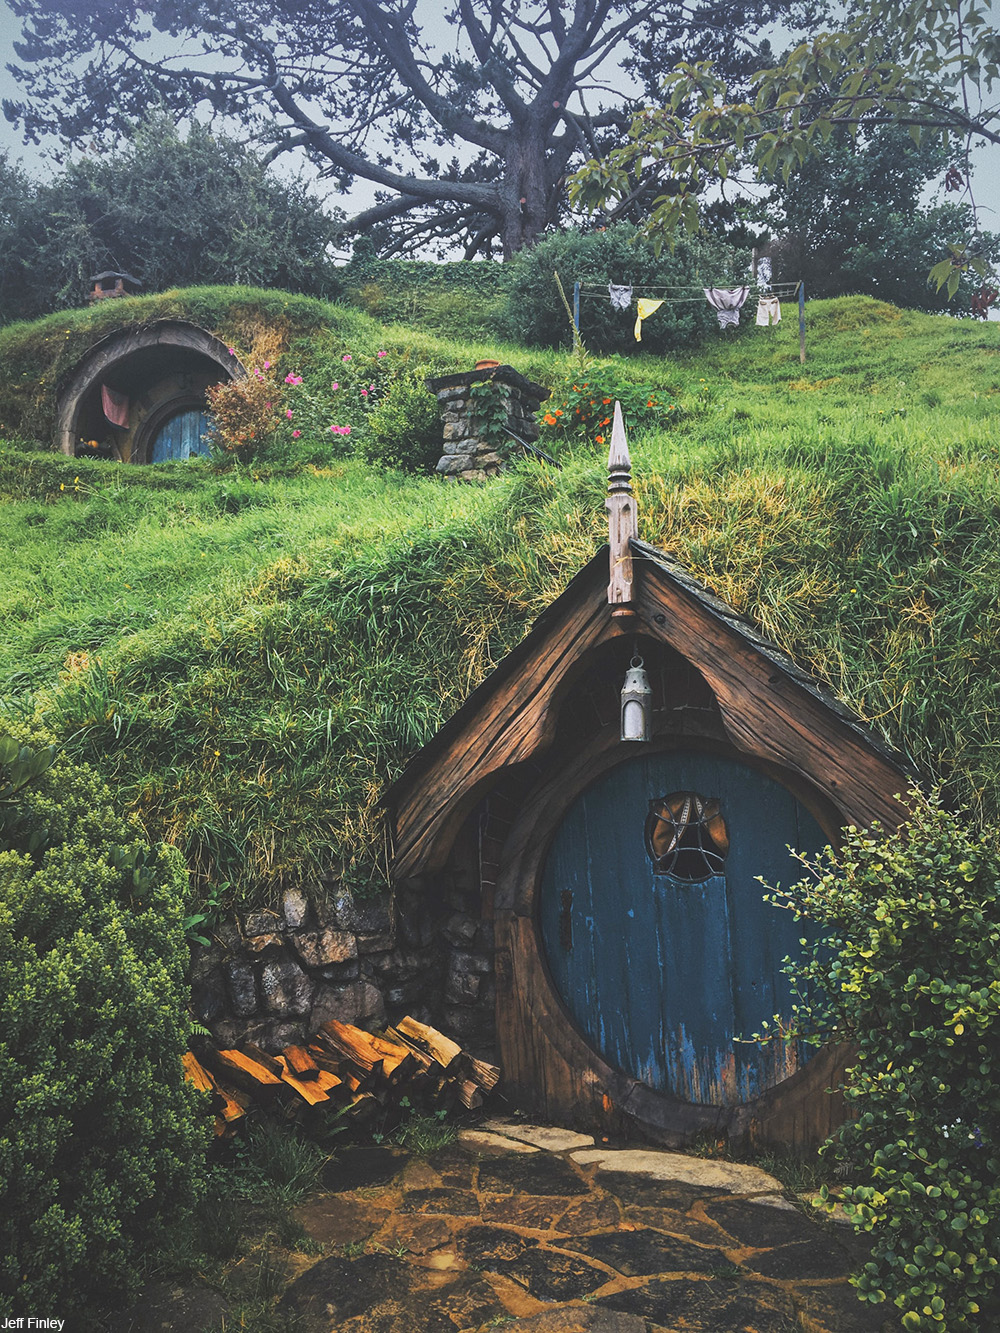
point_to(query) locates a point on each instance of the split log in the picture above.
(196, 1073)
(486, 1075)
(469, 1095)
(300, 1062)
(247, 1074)
(309, 1090)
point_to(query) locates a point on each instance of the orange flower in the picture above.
(558, 411)
(599, 439)
(605, 401)
(549, 419)
(606, 421)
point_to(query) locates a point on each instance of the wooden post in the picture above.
(576, 306)
(802, 323)
(623, 521)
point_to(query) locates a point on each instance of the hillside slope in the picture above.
(250, 657)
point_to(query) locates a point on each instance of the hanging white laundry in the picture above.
(726, 301)
(621, 297)
(764, 273)
(768, 312)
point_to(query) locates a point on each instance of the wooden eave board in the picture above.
(770, 706)
(504, 721)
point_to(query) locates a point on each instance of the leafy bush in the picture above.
(403, 429)
(583, 409)
(907, 967)
(101, 1148)
(535, 314)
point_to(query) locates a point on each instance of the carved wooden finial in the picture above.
(623, 523)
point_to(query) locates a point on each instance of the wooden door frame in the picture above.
(549, 1066)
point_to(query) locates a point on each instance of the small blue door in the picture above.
(655, 928)
(181, 437)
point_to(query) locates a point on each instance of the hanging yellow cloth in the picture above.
(646, 308)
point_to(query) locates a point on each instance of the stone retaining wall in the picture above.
(273, 977)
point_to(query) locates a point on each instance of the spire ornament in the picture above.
(623, 520)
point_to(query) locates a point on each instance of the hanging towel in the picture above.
(115, 406)
(645, 309)
(726, 301)
(621, 297)
(764, 273)
(768, 311)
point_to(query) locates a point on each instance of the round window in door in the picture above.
(182, 436)
(655, 927)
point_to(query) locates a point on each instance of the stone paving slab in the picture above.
(566, 1240)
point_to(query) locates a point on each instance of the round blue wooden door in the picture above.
(181, 437)
(655, 928)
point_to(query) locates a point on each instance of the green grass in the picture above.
(264, 653)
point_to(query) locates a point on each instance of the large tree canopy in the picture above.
(512, 90)
(930, 66)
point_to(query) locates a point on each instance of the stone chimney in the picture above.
(466, 456)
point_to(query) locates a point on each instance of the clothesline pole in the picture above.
(576, 306)
(802, 323)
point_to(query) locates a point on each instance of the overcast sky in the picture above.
(986, 182)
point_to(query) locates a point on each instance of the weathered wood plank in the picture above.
(520, 719)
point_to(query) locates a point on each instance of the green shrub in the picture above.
(403, 429)
(907, 967)
(535, 314)
(101, 1140)
(581, 410)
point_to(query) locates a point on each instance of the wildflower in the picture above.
(293, 379)
(606, 421)
(372, 387)
(549, 419)
(605, 401)
(231, 351)
(296, 434)
(599, 439)
(335, 386)
(346, 356)
(559, 411)
(381, 354)
(364, 393)
(267, 365)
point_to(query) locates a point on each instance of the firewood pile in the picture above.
(358, 1074)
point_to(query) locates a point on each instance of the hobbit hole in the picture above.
(618, 877)
(140, 393)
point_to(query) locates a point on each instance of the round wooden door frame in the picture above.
(547, 1060)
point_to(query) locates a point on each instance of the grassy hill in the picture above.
(251, 654)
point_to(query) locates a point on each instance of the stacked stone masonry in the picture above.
(273, 977)
(466, 456)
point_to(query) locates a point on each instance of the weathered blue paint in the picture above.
(181, 437)
(664, 975)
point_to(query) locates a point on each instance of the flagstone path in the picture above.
(535, 1230)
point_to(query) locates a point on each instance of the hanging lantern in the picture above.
(637, 703)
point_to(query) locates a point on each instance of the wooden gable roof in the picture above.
(772, 710)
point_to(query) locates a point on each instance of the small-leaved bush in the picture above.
(906, 967)
(102, 1142)
(402, 428)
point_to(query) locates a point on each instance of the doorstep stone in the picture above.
(539, 1136)
(733, 1177)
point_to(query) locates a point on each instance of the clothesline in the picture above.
(772, 289)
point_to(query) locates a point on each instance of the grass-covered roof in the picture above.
(251, 657)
